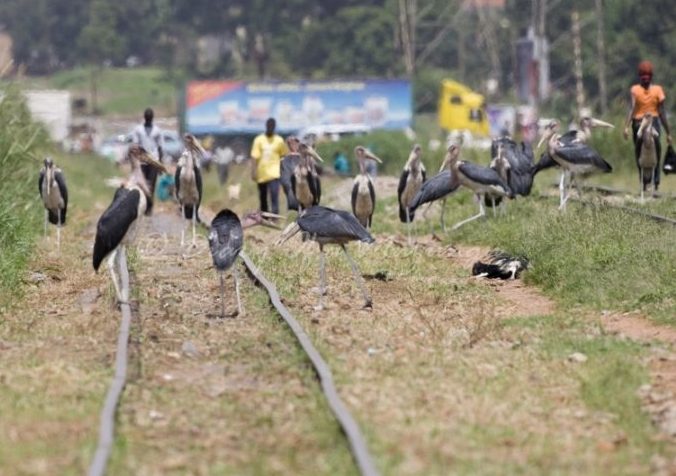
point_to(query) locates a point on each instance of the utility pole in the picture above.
(601, 54)
(577, 51)
(407, 27)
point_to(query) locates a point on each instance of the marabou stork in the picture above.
(501, 165)
(582, 134)
(287, 168)
(305, 181)
(520, 158)
(117, 226)
(188, 182)
(575, 158)
(54, 193)
(437, 188)
(412, 178)
(328, 226)
(363, 192)
(225, 242)
(647, 159)
(481, 180)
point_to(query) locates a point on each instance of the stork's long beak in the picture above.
(199, 148)
(314, 153)
(268, 220)
(146, 158)
(599, 123)
(544, 137)
(288, 232)
(369, 155)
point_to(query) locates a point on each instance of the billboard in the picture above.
(223, 107)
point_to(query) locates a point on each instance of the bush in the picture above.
(20, 137)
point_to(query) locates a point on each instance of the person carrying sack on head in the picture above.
(647, 98)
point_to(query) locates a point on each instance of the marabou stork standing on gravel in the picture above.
(118, 224)
(412, 178)
(54, 193)
(363, 192)
(225, 242)
(437, 188)
(188, 183)
(647, 159)
(481, 180)
(328, 226)
(575, 158)
(305, 180)
(287, 168)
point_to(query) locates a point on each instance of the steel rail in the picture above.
(348, 424)
(107, 419)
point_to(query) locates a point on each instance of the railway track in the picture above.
(346, 421)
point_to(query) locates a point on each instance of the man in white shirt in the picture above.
(149, 136)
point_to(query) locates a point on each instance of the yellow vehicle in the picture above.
(460, 108)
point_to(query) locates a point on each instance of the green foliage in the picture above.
(19, 214)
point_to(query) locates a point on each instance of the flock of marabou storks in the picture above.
(510, 173)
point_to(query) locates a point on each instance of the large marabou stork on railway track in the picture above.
(118, 225)
(305, 181)
(188, 183)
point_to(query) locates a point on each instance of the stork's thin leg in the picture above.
(358, 279)
(46, 216)
(408, 226)
(194, 220)
(503, 207)
(493, 205)
(642, 185)
(573, 181)
(58, 231)
(424, 214)
(482, 212)
(443, 209)
(562, 189)
(220, 274)
(235, 273)
(112, 261)
(183, 227)
(322, 278)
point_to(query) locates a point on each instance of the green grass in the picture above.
(21, 141)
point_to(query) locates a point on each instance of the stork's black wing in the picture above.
(520, 174)
(63, 190)
(315, 187)
(115, 222)
(225, 239)
(372, 192)
(326, 222)
(437, 187)
(198, 183)
(287, 180)
(355, 193)
(177, 180)
(482, 175)
(545, 162)
(581, 154)
(400, 190)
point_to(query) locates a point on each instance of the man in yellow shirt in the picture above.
(267, 152)
(647, 98)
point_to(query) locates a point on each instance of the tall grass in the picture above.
(20, 137)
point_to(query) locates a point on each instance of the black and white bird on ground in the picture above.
(436, 188)
(188, 183)
(500, 265)
(305, 181)
(363, 192)
(287, 168)
(575, 158)
(411, 180)
(117, 226)
(226, 239)
(327, 226)
(647, 158)
(54, 193)
(481, 180)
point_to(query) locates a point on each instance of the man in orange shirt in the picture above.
(647, 98)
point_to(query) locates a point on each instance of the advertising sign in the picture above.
(221, 107)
